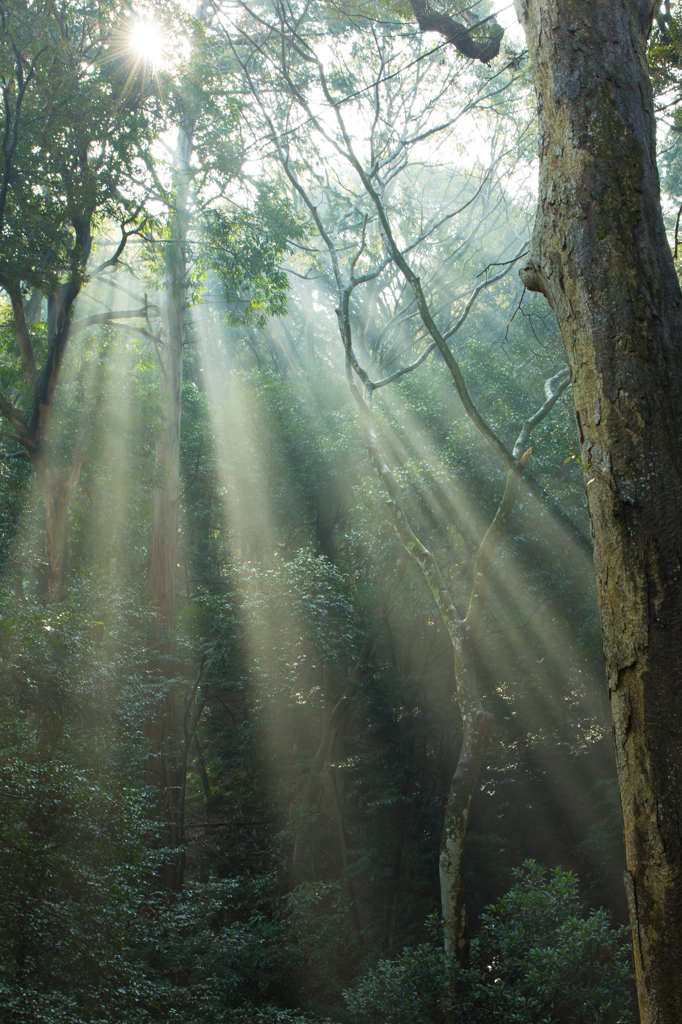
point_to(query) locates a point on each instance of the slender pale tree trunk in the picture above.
(600, 256)
(463, 632)
(162, 776)
(476, 725)
(163, 551)
(163, 767)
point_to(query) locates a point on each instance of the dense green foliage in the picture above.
(236, 818)
(285, 628)
(79, 118)
(538, 959)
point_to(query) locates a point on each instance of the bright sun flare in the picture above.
(147, 41)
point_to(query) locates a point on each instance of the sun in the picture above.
(148, 42)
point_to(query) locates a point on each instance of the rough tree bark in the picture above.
(600, 256)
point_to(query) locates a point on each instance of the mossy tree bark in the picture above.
(601, 257)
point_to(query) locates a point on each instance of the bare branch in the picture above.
(487, 547)
(554, 389)
(109, 318)
(125, 235)
(405, 369)
(459, 35)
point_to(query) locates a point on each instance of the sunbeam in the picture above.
(303, 711)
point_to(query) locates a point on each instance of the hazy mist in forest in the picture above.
(248, 767)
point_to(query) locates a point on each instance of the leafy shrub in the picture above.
(218, 951)
(407, 989)
(73, 864)
(537, 959)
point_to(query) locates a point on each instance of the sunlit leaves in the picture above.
(246, 250)
(78, 129)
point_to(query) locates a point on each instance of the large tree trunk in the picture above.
(163, 550)
(601, 257)
(476, 725)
